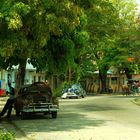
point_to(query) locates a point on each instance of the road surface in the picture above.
(91, 118)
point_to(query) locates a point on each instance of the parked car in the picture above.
(75, 89)
(35, 98)
(69, 95)
(79, 90)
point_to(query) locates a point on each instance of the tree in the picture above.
(57, 35)
(103, 25)
(108, 23)
(127, 43)
(27, 27)
(13, 43)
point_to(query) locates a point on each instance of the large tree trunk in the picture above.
(20, 75)
(103, 77)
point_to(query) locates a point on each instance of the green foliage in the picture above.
(12, 12)
(57, 92)
(7, 135)
(28, 26)
(21, 8)
(102, 19)
(108, 23)
(58, 34)
(81, 38)
(127, 41)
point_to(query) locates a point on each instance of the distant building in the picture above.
(30, 76)
(114, 81)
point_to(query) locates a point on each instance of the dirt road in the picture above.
(90, 118)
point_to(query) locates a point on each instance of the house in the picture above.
(30, 76)
(114, 81)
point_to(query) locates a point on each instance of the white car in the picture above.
(69, 95)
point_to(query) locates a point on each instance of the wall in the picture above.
(29, 77)
(114, 81)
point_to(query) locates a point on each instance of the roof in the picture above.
(108, 72)
(28, 67)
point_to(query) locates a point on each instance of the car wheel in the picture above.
(82, 96)
(54, 114)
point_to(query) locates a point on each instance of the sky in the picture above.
(138, 1)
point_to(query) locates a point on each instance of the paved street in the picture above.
(90, 118)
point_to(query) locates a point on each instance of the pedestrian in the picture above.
(9, 104)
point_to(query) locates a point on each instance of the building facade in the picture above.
(10, 75)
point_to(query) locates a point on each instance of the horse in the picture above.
(126, 90)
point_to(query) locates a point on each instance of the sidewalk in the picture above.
(2, 102)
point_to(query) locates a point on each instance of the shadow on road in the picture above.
(100, 107)
(73, 115)
(66, 121)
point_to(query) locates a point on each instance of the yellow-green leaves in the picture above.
(15, 21)
(13, 13)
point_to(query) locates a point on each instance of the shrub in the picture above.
(5, 135)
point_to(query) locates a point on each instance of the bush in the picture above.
(57, 92)
(4, 135)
